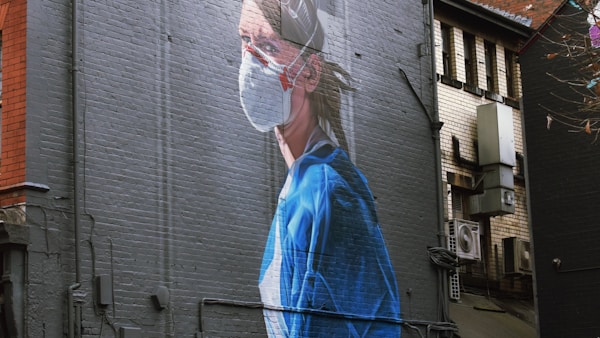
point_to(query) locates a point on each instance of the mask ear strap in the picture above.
(303, 49)
(264, 58)
(286, 80)
(250, 49)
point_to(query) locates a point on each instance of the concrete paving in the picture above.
(482, 317)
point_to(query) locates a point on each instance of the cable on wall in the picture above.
(411, 324)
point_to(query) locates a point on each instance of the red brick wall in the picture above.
(12, 168)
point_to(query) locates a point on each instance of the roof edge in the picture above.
(542, 27)
(486, 13)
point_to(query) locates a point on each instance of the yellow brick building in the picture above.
(477, 65)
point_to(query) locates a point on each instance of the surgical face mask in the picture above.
(266, 89)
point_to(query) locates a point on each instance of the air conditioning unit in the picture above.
(517, 256)
(466, 236)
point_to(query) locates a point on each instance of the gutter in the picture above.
(73, 312)
(75, 116)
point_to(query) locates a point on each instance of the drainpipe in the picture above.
(70, 311)
(436, 126)
(73, 311)
(75, 112)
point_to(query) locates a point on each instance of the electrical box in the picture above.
(495, 134)
(497, 157)
(103, 290)
(130, 332)
(498, 176)
(493, 202)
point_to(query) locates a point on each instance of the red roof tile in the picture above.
(538, 10)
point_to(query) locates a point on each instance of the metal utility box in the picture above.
(493, 202)
(495, 134)
(130, 332)
(498, 176)
(103, 290)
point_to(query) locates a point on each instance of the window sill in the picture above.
(469, 88)
(494, 96)
(473, 89)
(451, 82)
(512, 102)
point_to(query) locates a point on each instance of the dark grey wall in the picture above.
(177, 189)
(49, 215)
(563, 182)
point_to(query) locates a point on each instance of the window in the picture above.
(447, 51)
(509, 59)
(490, 66)
(470, 59)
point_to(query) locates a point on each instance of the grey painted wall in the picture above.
(178, 190)
(563, 180)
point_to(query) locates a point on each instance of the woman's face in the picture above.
(255, 28)
(303, 72)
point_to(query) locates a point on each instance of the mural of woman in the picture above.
(326, 271)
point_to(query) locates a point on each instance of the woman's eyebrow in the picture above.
(259, 34)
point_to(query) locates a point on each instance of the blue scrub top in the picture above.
(326, 265)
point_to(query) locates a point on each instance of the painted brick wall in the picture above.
(178, 190)
(562, 169)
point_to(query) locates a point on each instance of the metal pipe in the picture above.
(75, 128)
(70, 307)
(438, 326)
(435, 127)
(72, 320)
(529, 217)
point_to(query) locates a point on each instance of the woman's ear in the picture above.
(312, 73)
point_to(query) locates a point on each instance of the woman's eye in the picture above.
(269, 48)
(246, 39)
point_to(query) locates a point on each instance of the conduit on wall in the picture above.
(164, 160)
(411, 324)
